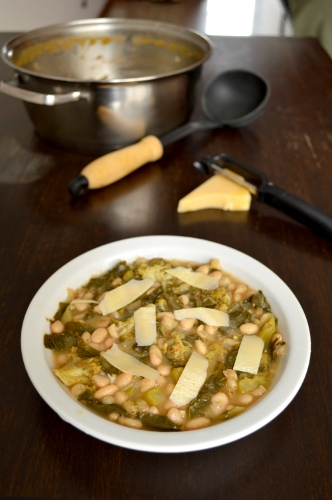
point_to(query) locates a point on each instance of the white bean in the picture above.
(130, 422)
(155, 355)
(86, 337)
(230, 373)
(232, 383)
(249, 328)
(237, 297)
(117, 281)
(112, 330)
(210, 329)
(203, 269)
(219, 401)
(123, 379)
(142, 406)
(57, 327)
(200, 346)
(175, 416)
(101, 380)
(241, 289)
(107, 400)
(197, 423)
(187, 323)
(107, 390)
(245, 399)
(169, 322)
(220, 398)
(154, 410)
(113, 417)
(120, 397)
(62, 359)
(146, 384)
(184, 299)
(108, 343)
(99, 335)
(164, 369)
(77, 389)
(130, 407)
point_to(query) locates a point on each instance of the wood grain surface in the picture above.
(42, 228)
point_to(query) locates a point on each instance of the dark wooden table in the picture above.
(42, 228)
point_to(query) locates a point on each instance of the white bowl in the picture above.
(292, 321)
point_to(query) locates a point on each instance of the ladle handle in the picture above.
(117, 164)
(185, 130)
(298, 209)
(113, 166)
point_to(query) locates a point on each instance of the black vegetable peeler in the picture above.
(266, 192)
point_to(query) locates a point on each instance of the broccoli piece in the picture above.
(177, 353)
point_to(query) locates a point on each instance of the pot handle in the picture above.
(12, 89)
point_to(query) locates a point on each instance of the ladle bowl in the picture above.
(233, 98)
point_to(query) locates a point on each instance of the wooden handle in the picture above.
(113, 166)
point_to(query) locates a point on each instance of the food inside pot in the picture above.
(166, 345)
(106, 58)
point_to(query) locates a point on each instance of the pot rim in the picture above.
(198, 37)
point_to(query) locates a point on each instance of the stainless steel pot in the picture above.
(96, 85)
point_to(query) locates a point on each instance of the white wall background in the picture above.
(25, 15)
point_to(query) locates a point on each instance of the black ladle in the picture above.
(233, 98)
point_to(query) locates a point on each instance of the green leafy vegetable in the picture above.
(71, 374)
(107, 367)
(87, 352)
(77, 328)
(60, 312)
(211, 386)
(267, 331)
(88, 400)
(159, 422)
(60, 342)
(243, 312)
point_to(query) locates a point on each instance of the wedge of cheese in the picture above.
(191, 380)
(124, 295)
(216, 192)
(249, 354)
(212, 317)
(128, 364)
(193, 278)
(145, 325)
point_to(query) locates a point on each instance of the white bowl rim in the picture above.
(289, 378)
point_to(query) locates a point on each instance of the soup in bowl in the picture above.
(166, 344)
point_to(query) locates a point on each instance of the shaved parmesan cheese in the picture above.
(128, 364)
(249, 354)
(145, 325)
(216, 192)
(124, 295)
(211, 317)
(191, 380)
(198, 280)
